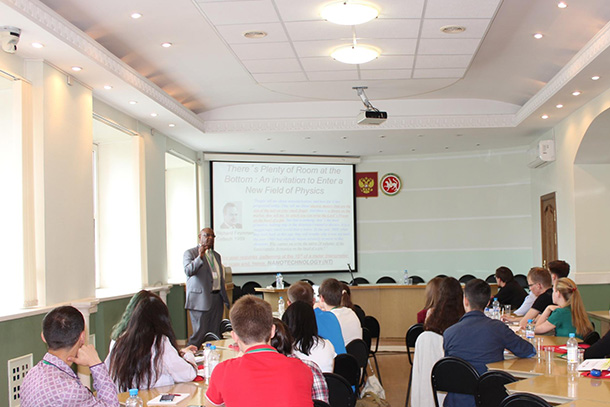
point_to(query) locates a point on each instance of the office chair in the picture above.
(410, 338)
(347, 367)
(453, 375)
(466, 278)
(372, 326)
(248, 288)
(357, 348)
(524, 400)
(225, 326)
(340, 393)
(361, 280)
(522, 280)
(417, 280)
(386, 280)
(491, 279)
(308, 281)
(591, 338)
(490, 388)
(210, 336)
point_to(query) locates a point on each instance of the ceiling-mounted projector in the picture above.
(372, 117)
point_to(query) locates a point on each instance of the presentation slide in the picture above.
(284, 217)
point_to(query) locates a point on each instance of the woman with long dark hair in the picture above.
(145, 355)
(449, 307)
(308, 345)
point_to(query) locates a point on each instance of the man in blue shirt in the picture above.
(328, 324)
(480, 340)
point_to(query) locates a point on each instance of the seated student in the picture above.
(282, 341)
(559, 269)
(525, 306)
(510, 293)
(346, 301)
(121, 326)
(480, 340)
(429, 345)
(539, 281)
(568, 316)
(331, 291)
(52, 382)
(328, 324)
(262, 376)
(145, 355)
(431, 294)
(600, 349)
(301, 322)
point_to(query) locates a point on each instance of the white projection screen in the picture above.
(273, 217)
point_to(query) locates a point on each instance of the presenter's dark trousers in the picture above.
(206, 321)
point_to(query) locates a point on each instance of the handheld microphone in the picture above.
(353, 282)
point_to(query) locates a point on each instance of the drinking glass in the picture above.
(506, 309)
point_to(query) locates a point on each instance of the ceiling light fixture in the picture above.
(254, 35)
(135, 16)
(154, 114)
(576, 93)
(559, 106)
(453, 29)
(562, 4)
(107, 87)
(166, 44)
(172, 125)
(77, 68)
(538, 36)
(133, 102)
(594, 78)
(349, 13)
(37, 45)
(544, 116)
(355, 54)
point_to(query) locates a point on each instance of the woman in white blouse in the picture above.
(145, 355)
(301, 321)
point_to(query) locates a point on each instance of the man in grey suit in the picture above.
(205, 287)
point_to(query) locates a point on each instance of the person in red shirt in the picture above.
(262, 377)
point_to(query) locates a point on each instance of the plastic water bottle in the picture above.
(213, 360)
(279, 281)
(281, 306)
(134, 400)
(529, 330)
(496, 308)
(405, 277)
(572, 347)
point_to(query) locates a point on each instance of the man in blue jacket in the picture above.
(480, 340)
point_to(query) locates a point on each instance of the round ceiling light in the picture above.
(349, 13)
(355, 54)
(253, 35)
(453, 29)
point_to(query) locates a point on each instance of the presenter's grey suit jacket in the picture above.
(199, 281)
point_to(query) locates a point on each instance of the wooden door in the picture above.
(548, 220)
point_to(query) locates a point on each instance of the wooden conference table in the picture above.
(604, 320)
(394, 305)
(195, 389)
(552, 381)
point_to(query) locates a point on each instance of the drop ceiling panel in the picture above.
(277, 50)
(325, 63)
(234, 34)
(318, 48)
(389, 62)
(439, 73)
(442, 61)
(475, 28)
(317, 30)
(279, 77)
(447, 47)
(401, 8)
(240, 12)
(303, 10)
(380, 28)
(392, 46)
(385, 74)
(272, 65)
(333, 76)
(461, 9)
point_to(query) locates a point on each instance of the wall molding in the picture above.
(592, 277)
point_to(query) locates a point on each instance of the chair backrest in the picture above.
(453, 375)
(361, 280)
(236, 293)
(359, 313)
(347, 367)
(491, 279)
(320, 403)
(307, 281)
(386, 280)
(225, 326)
(371, 323)
(522, 280)
(524, 400)
(466, 278)
(490, 388)
(248, 288)
(411, 337)
(591, 338)
(441, 275)
(417, 280)
(366, 337)
(340, 393)
(210, 336)
(286, 284)
(357, 348)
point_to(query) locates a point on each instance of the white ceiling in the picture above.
(482, 89)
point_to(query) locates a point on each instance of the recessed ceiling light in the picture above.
(576, 93)
(77, 68)
(420, 135)
(344, 137)
(478, 144)
(596, 77)
(446, 147)
(381, 136)
(458, 135)
(562, 4)
(314, 151)
(269, 139)
(37, 45)
(254, 35)
(352, 13)
(307, 138)
(559, 106)
(544, 116)
(154, 114)
(133, 102)
(172, 125)
(381, 151)
(166, 44)
(453, 29)
(346, 151)
(107, 87)
(282, 151)
(412, 149)
(135, 16)
(538, 36)
(355, 54)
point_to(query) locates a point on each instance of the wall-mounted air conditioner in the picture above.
(542, 154)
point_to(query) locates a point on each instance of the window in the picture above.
(181, 212)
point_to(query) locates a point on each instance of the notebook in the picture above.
(178, 397)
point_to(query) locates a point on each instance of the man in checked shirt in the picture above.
(52, 383)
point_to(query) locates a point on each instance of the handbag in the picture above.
(371, 400)
(373, 394)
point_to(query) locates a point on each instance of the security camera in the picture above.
(9, 36)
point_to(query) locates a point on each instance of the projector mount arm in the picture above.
(365, 100)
